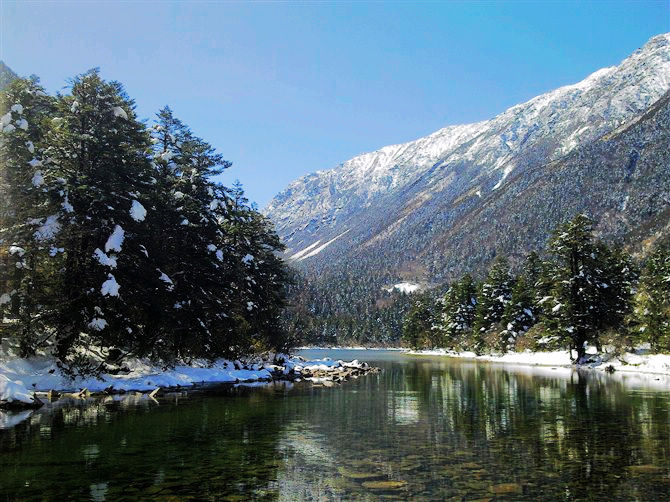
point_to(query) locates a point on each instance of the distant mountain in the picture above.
(426, 211)
(6, 75)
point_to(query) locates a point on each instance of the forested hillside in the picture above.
(116, 241)
(579, 291)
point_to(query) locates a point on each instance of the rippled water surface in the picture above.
(423, 429)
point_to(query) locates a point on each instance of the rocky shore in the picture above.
(26, 384)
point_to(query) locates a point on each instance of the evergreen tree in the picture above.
(519, 314)
(30, 195)
(591, 285)
(416, 329)
(653, 301)
(495, 295)
(99, 149)
(458, 311)
(118, 243)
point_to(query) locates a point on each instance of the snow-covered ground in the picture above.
(638, 362)
(20, 378)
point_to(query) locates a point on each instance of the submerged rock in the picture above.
(506, 488)
(358, 475)
(645, 469)
(384, 485)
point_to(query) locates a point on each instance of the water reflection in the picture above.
(423, 429)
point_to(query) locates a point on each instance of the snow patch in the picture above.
(110, 287)
(103, 259)
(322, 247)
(97, 324)
(38, 179)
(405, 287)
(299, 254)
(137, 211)
(120, 112)
(115, 240)
(48, 229)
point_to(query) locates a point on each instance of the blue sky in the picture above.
(283, 89)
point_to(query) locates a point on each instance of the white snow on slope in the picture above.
(299, 254)
(315, 204)
(405, 287)
(322, 247)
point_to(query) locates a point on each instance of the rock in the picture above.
(506, 488)
(360, 476)
(384, 485)
(470, 465)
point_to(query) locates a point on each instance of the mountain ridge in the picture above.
(361, 179)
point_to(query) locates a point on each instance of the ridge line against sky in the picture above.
(285, 89)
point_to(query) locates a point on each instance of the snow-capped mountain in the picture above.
(475, 158)
(428, 211)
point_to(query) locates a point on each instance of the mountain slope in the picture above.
(431, 209)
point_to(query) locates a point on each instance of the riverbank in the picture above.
(640, 361)
(27, 382)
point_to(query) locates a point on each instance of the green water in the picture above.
(423, 429)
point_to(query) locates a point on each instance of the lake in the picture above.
(425, 428)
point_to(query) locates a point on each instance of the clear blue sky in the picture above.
(283, 89)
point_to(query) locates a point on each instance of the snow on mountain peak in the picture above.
(483, 155)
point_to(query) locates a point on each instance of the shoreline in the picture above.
(638, 362)
(27, 383)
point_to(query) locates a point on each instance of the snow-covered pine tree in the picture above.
(198, 283)
(458, 311)
(617, 278)
(523, 310)
(99, 150)
(590, 285)
(494, 296)
(519, 314)
(252, 246)
(29, 195)
(653, 300)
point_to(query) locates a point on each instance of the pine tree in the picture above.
(591, 285)
(30, 196)
(519, 315)
(495, 295)
(653, 301)
(458, 310)
(99, 149)
(416, 328)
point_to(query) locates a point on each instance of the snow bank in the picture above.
(631, 362)
(14, 391)
(19, 378)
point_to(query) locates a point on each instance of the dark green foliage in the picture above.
(457, 310)
(653, 302)
(417, 329)
(519, 315)
(591, 285)
(584, 290)
(117, 241)
(494, 296)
